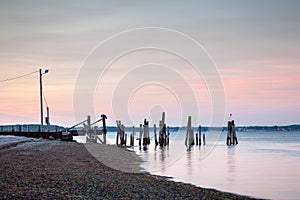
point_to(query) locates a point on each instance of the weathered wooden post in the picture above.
(104, 130)
(89, 124)
(189, 139)
(231, 134)
(144, 133)
(88, 127)
(141, 133)
(132, 137)
(118, 132)
(196, 139)
(155, 136)
(124, 135)
(104, 138)
(164, 134)
(204, 141)
(162, 131)
(146, 138)
(168, 136)
(187, 132)
(192, 137)
(228, 141)
(199, 131)
(235, 141)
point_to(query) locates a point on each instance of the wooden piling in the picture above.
(118, 132)
(155, 136)
(196, 139)
(162, 131)
(88, 121)
(104, 129)
(160, 135)
(123, 135)
(141, 133)
(168, 136)
(199, 131)
(228, 133)
(204, 141)
(132, 137)
(189, 139)
(192, 137)
(146, 138)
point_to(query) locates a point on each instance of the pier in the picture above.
(91, 132)
(32, 130)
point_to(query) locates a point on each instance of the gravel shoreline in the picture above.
(50, 169)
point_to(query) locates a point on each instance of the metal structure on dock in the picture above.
(91, 132)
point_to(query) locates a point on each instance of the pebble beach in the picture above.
(52, 169)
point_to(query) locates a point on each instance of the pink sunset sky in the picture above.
(254, 44)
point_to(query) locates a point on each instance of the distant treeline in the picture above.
(51, 128)
(206, 128)
(294, 127)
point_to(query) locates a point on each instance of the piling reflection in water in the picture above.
(231, 165)
(189, 162)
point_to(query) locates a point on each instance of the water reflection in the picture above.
(231, 165)
(163, 155)
(189, 163)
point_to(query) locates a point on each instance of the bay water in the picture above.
(262, 165)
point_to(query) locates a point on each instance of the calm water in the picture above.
(263, 164)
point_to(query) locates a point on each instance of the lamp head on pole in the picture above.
(46, 71)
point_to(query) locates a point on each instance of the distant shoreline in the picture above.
(294, 127)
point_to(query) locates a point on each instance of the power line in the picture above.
(14, 78)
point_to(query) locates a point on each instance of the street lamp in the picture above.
(41, 93)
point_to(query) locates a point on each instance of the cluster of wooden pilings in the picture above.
(121, 133)
(121, 138)
(231, 134)
(189, 139)
(144, 133)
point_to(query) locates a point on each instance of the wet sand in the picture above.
(51, 169)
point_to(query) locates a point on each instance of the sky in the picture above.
(134, 59)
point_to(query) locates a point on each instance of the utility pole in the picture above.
(41, 93)
(41, 96)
